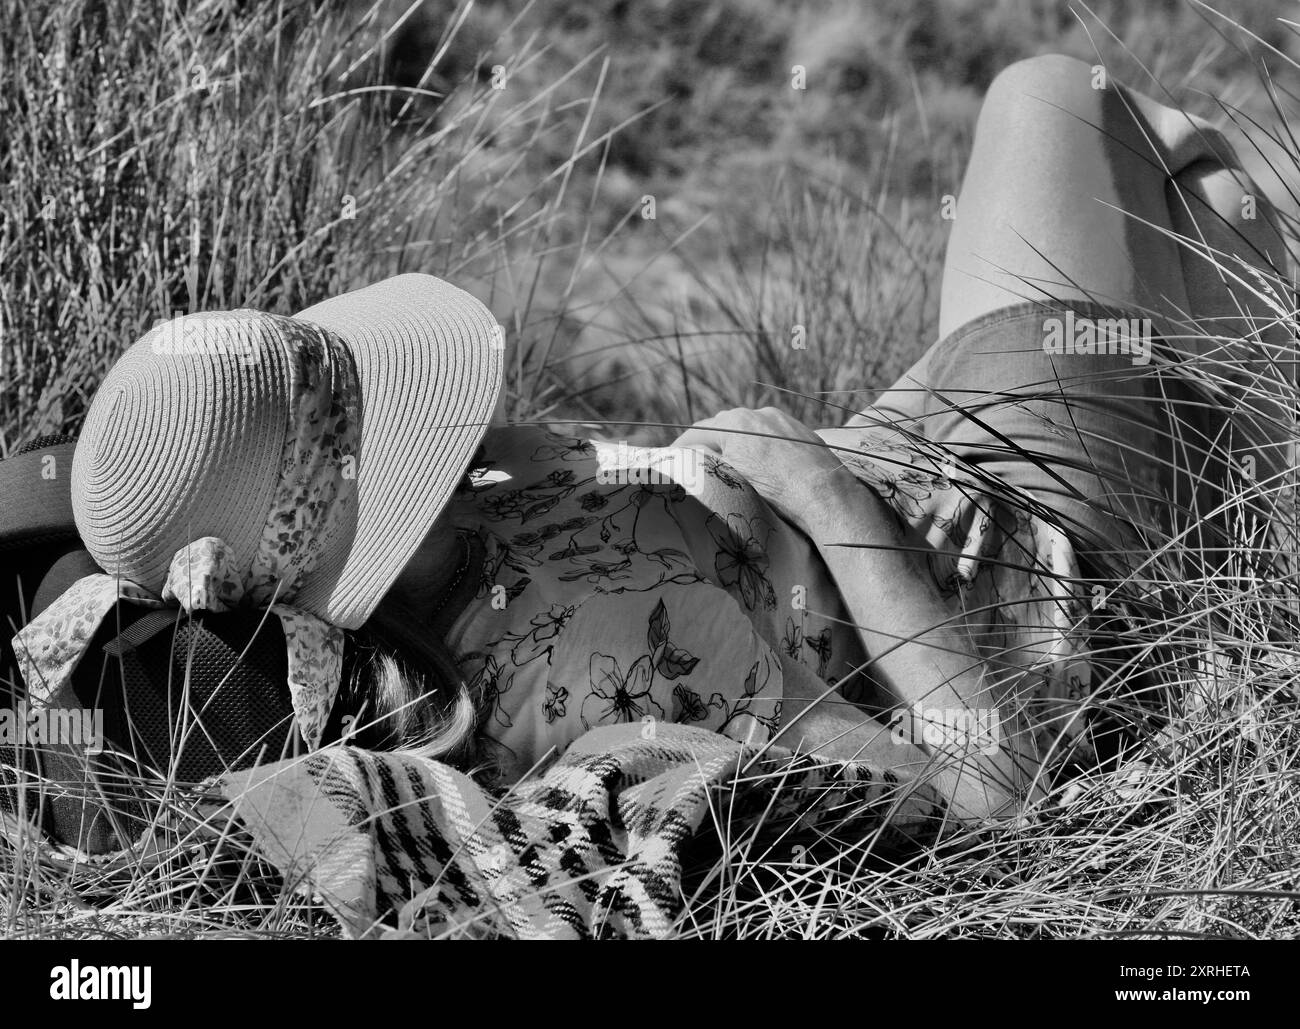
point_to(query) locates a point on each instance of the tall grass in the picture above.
(169, 195)
(163, 159)
(827, 300)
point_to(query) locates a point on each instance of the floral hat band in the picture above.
(202, 577)
(312, 508)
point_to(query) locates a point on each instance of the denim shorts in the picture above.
(1078, 406)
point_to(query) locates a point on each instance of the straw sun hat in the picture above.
(239, 458)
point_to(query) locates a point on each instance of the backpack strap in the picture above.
(140, 632)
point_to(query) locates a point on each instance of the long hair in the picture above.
(402, 689)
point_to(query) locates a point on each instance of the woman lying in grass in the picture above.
(903, 589)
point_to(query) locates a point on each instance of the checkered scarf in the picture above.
(399, 846)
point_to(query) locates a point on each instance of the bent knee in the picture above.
(1047, 81)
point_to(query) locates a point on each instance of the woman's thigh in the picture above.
(1064, 198)
(1064, 195)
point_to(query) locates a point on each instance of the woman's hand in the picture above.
(788, 464)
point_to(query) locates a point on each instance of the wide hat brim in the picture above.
(429, 361)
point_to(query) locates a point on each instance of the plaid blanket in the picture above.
(398, 846)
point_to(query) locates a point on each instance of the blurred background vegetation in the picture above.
(777, 206)
(201, 154)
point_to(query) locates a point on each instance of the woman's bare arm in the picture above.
(919, 649)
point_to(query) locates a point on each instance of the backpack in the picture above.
(181, 697)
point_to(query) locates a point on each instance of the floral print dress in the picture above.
(605, 600)
(626, 584)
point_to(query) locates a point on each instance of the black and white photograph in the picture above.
(694, 470)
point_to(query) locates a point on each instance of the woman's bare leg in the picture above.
(1074, 192)
(1065, 195)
